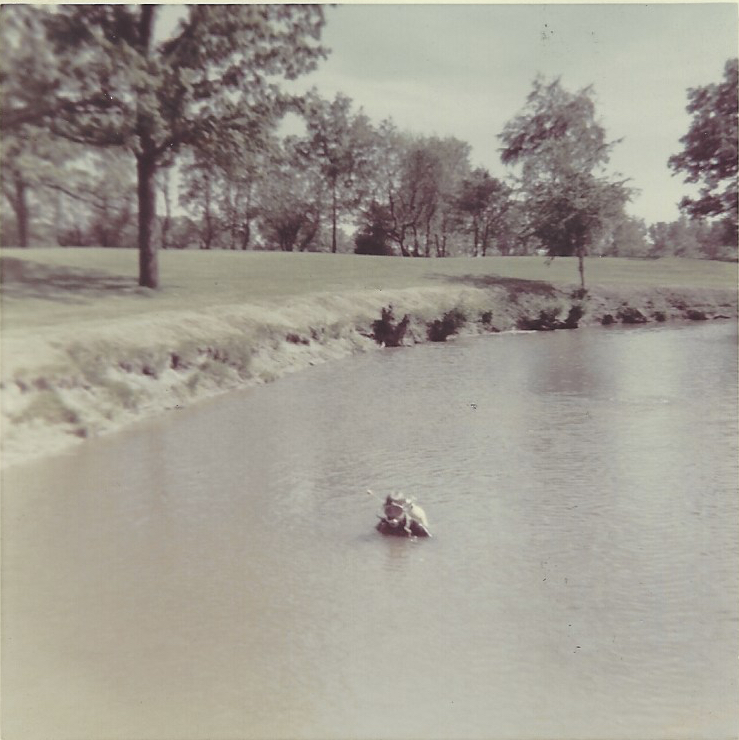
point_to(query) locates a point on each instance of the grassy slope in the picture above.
(46, 287)
(85, 349)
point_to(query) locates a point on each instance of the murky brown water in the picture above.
(216, 574)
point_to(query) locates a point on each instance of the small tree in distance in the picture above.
(560, 146)
(290, 198)
(485, 201)
(342, 144)
(373, 236)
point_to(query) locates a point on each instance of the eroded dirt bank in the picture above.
(62, 387)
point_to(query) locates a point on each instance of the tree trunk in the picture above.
(207, 237)
(232, 202)
(167, 220)
(485, 238)
(148, 263)
(310, 234)
(57, 216)
(404, 251)
(246, 228)
(333, 218)
(146, 167)
(20, 206)
(414, 231)
(581, 267)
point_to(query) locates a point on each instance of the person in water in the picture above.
(403, 510)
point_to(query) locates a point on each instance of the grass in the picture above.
(85, 349)
(48, 406)
(46, 287)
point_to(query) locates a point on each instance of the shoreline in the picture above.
(82, 381)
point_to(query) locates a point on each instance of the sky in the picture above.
(465, 70)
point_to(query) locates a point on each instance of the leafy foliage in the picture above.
(210, 85)
(566, 214)
(416, 181)
(219, 186)
(710, 153)
(342, 144)
(82, 88)
(556, 131)
(692, 238)
(560, 146)
(486, 202)
(96, 206)
(373, 236)
(290, 198)
(624, 237)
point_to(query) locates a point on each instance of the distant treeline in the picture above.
(109, 220)
(180, 145)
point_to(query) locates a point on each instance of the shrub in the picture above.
(695, 315)
(631, 315)
(439, 329)
(386, 331)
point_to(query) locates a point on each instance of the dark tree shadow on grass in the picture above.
(27, 279)
(514, 286)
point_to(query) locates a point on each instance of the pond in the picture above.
(215, 573)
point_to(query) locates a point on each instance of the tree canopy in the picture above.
(710, 153)
(342, 144)
(485, 201)
(555, 132)
(113, 84)
(562, 150)
(99, 105)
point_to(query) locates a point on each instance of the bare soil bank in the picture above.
(75, 382)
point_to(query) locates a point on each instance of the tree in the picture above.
(719, 240)
(560, 146)
(23, 163)
(240, 176)
(386, 183)
(29, 155)
(453, 165)
(113, 84)
(710, 153)
(290, 200)
(416, 180)
(373, 236)
(625, 237)
(165, 188)
(568, 214)
(691, 238)
(677, 238)
(199, 193)
(485, 201)
(104, 184)
(342, 145)
(43, 175)
(219, 184)
(417, 198)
